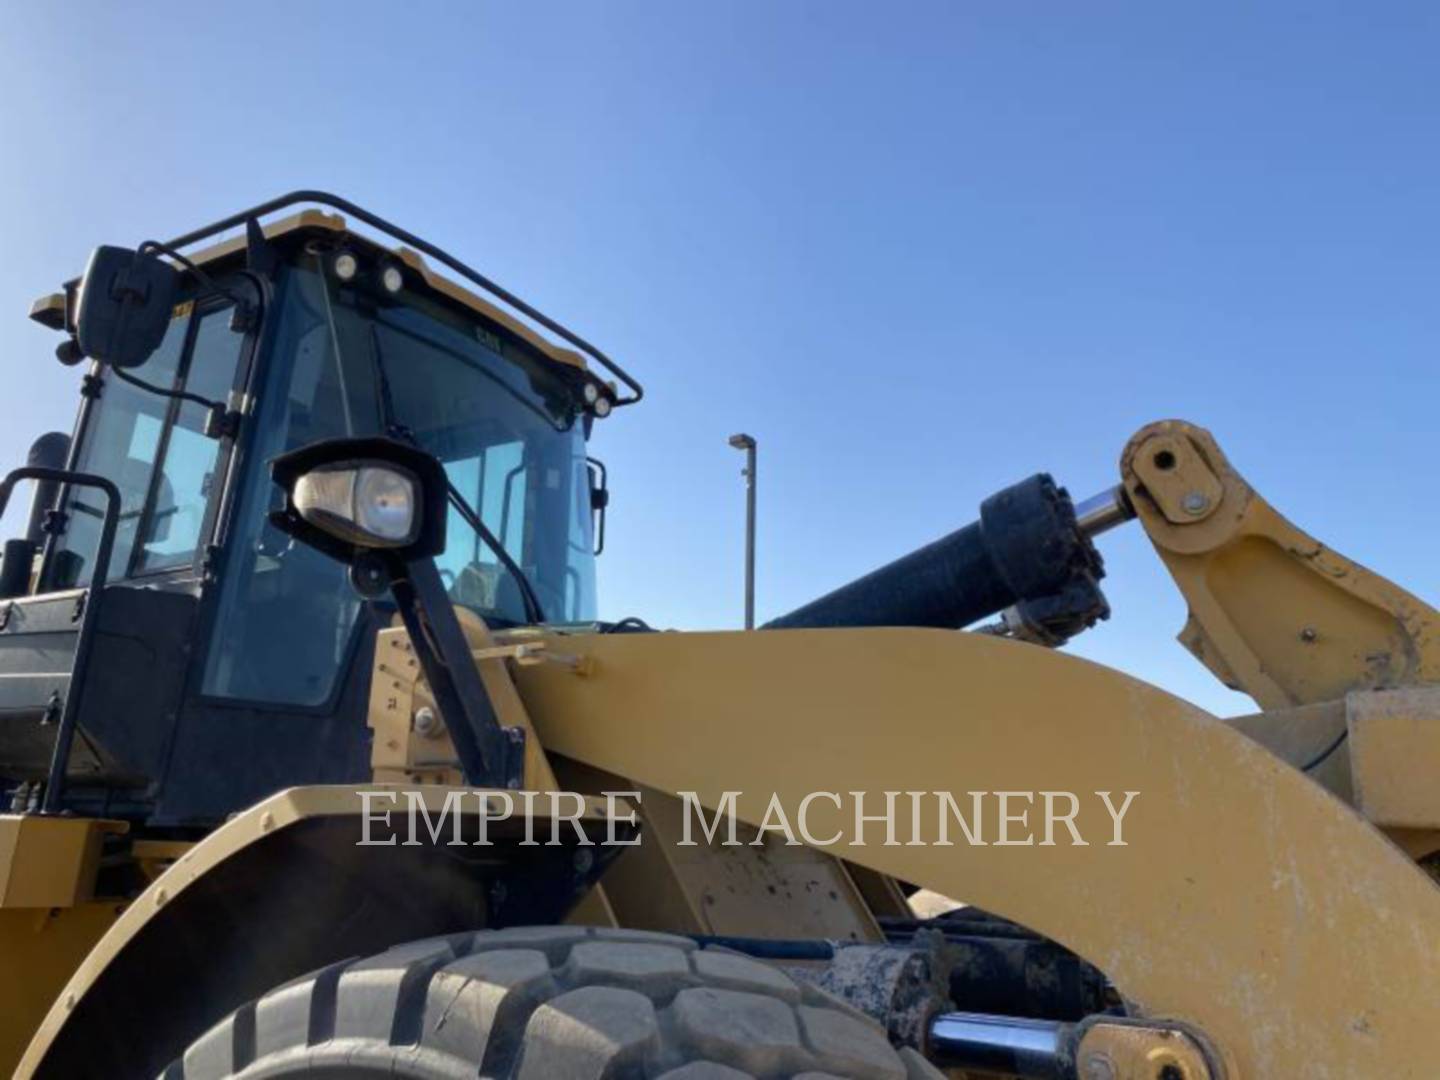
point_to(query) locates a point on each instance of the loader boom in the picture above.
(345, 550)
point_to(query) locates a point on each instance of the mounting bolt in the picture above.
(1097, 1066)
(1308, 635)
(427, 724)
(1196, 503)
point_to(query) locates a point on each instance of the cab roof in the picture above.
(53, 310)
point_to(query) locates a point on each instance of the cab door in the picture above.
(148, 433)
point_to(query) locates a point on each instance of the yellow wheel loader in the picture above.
(319, 762)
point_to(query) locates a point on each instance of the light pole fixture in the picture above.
(747, 443)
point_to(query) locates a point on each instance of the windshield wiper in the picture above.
(533, 610)
(396, 430)
(385, 398)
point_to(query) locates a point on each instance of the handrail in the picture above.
(323, 198)
(70, 713)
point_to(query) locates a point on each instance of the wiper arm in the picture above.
(533, 611)
(386, 399)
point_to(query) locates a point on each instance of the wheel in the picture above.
(548, 1003)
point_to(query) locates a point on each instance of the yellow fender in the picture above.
(1247, 901)
(280, 890)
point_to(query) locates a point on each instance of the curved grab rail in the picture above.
(99, 573)
(375, 221)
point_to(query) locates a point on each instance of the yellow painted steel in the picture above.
(1273, 611)
(1112, 1050)
(260, 823)
(40, 948)
(1394, 744)
(1248, 902)
(48, 862)
(48, 919)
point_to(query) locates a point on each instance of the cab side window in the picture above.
(187, 467)
(154, 448)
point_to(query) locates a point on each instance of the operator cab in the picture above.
(218, 641)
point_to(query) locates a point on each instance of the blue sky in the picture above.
(919, 250)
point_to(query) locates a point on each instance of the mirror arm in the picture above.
(244, 307)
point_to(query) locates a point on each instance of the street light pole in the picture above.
(747, 443)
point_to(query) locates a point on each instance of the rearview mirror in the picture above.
(124, 306)
(599, 499)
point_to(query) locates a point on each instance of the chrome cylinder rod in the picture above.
(1009, 1045)
(1101, 513)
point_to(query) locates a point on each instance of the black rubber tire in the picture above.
(549, 1003)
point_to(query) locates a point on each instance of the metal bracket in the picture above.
(222, 422)
(530, 653)
(1273, 611)
(514, 767)
(490, 755)
(259, 254)
(1116, 1049)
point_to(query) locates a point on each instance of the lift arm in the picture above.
(1273, 612)
(1247, 902)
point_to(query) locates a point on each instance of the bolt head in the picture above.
(1196, 502)
(1098, 1066)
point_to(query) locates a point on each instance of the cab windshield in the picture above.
(352, 361)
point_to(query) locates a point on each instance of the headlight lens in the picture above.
(385, 504)
(370, 505)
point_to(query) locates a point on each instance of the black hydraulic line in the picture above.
(1324, 755)
(768, 948)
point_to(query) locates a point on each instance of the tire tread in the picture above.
(483, 1004)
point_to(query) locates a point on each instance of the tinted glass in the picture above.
(506, 428)
(187, 469)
